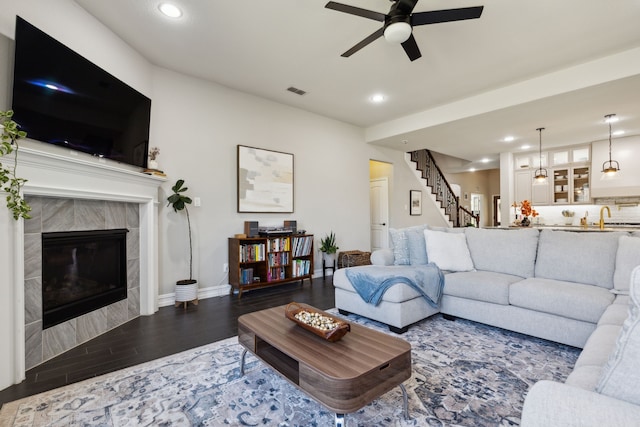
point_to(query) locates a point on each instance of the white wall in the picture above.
(198, 124)
(403, 180)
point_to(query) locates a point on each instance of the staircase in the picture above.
(437, 184)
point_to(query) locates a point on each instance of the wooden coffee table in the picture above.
(344, 376)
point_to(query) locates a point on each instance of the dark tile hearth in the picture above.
(170, 330)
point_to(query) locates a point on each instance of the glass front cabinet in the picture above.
(569, 177)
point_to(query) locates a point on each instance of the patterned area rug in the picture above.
(464, 374)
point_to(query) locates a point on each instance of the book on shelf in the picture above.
(280, 244)
(252, 252)
(276, 273)
(246, 276)
(278, 258)
(302, 245)
(301, 267)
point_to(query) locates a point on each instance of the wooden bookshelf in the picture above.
(258, 262)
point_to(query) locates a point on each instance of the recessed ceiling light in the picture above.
(377, 98)
(618, 132)
(525, 147)
(170, 10)
(485, 160)
(508, 138)
(472, 169)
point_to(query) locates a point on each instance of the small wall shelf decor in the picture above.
(265, 180)
(415, 202)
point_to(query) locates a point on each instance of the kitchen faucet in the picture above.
(602, 216)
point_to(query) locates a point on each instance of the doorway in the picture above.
(380, 173)
(379, 209)
(496, 210)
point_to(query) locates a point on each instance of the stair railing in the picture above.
(430, 172)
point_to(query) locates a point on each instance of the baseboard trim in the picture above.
(165, 300)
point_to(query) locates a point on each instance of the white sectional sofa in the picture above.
(568, 287)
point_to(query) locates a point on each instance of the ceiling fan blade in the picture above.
(405, 7)
(363, 43)
(446, 15)
(377, 16)
(411, 48)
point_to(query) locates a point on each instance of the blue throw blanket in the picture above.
(371, 281)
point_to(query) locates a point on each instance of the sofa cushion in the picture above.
(627, 258)
(615, 314)
(567, 299)
(503, 251)
(599, 346)
(449, 251)
(480, 285)
(577, 257)
(621, 376)
(585, 377)
(398, 293)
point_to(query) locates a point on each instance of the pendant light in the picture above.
(610, 168)
(540, 176)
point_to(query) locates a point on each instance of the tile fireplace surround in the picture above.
(61, 214)
(73, 192)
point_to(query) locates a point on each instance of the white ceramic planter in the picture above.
(188, 292)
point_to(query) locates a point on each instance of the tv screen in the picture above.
(61, 98)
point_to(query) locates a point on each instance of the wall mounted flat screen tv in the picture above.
(61, 98)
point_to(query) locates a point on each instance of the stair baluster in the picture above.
(458, 215)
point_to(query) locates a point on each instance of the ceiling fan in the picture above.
(399, 22)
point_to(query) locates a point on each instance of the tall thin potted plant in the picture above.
(9, 182)
(187, 289)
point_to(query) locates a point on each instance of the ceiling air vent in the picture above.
(296, 90)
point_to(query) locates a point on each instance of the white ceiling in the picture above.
(524, 64)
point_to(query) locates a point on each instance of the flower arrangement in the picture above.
(153, 153)
(526, 209)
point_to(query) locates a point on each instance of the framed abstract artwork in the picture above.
(265, 181)
(415, 202)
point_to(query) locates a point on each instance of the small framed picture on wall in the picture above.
(415, 202)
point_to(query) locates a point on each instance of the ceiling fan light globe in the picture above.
(398, 32)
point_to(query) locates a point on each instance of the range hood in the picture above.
(622, 202)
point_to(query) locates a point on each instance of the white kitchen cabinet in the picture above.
(525, 189)
(523, 185)
(571, 185)
(530, 160)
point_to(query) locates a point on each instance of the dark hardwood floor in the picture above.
(170, 330)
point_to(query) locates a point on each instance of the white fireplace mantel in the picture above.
(76, 176)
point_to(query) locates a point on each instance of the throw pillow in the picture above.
(449, 251)
(417, 247)
(620, 376)
(627, 258)
(400, 246)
